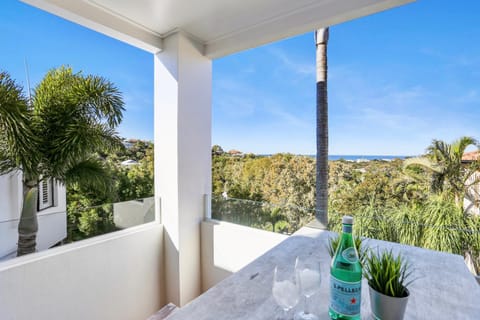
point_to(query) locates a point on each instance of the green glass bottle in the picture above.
(345, 277)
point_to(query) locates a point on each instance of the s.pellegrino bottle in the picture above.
(345, 277)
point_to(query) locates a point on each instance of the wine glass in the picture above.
(285, 289)
(309, 279)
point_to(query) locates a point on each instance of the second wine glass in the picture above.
(285, 289)
(308, 274)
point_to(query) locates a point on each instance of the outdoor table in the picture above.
(444, 288)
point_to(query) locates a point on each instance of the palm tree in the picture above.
(274, 216)
(56, 135)
(321, 212)
(448, 175)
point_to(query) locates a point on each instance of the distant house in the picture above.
(468, 157)
(234, 152)
(471, 202)
(52, 214)
(129, 163)
(129, 143)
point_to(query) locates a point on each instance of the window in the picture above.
(45, 194)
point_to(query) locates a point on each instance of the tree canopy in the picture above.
(57, 134)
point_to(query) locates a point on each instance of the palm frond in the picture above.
(17, 141)
(460, 145)
(76, 116)
(101, 98)
(89, 173)
(77, 140)
(423, 162)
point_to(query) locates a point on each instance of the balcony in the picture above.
(129, 268)
(130, 274)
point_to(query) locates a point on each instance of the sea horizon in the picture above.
(354, 157)
(357, 157)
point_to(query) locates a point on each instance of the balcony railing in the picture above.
(84, 223)
(280, 218)
(394, 226)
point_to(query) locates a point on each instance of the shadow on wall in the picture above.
(228, 247)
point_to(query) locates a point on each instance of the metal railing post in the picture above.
(207, 206)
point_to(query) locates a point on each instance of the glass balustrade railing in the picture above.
(262, 215)
(84, 223)
(54, 229)
(448, 231)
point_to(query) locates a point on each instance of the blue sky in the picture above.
(397, 79)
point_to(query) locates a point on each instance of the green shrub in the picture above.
(443, 224)
(407, 222)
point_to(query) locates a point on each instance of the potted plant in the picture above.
(388, 277)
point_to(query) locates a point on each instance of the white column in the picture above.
(183, 81)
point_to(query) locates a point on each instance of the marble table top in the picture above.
(444, 288)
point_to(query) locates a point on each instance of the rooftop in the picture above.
(470, 156)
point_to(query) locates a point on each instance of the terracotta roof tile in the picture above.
(470, 156)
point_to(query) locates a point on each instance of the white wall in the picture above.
(228, 247)
(116, 276)
(10, 206)
(52, 222)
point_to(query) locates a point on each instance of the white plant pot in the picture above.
(386, 307)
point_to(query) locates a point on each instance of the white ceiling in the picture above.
(222, 26)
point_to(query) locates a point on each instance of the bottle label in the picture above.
(345, 297)
(350, 255)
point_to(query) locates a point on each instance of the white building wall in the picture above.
(10, 206)
(52, 222)
(471, 202)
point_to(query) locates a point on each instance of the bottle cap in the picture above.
(347, 219)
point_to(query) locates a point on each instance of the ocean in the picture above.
(359, 158)
(355, 158)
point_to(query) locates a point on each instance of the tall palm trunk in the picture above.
(321, 212)
(28, 225)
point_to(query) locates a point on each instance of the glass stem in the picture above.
(306, 305)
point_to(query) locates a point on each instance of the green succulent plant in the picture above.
(387, 273)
